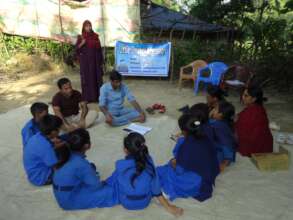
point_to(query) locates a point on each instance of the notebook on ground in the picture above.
(137, 128)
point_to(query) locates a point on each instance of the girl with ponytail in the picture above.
(222, 121)
(76, 184)
(252, 126)
(135, 179)
(192, 171)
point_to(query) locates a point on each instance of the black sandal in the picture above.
(150, 110)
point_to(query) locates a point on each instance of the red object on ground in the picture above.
(156, 106)
(162, 109)
(253, 132)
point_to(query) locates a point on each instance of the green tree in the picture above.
(264, 30)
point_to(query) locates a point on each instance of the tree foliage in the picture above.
(265, 32)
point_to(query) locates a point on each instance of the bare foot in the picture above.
(223, 165)
(174, 210)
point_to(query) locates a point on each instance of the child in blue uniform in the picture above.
(203, 109)
(39, 156)
(214, 95)
(193, 171)
(76, 184)
(222, 121)
(38, 110)
(135, 179)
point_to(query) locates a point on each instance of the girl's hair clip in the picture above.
(197, 123)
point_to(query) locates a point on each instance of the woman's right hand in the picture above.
(83, 41)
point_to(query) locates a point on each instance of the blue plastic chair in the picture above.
(216, 69)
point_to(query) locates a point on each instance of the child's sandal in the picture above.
(162, 109)
(150, 110)
(156, 106)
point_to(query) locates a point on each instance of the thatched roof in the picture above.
(159, 17)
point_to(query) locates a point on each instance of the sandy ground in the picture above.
(42, 87)
(242, 192)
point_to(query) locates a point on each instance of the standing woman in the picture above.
(90, 55)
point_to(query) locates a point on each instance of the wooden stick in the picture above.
(183, 34)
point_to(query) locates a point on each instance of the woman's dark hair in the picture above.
(86, 22)
(201, 108)
(192, 123)
(228, 112)
(38, 107)
(115, 75)
(182, 121)
(78, 138)
(62, 82)
(50, 123)
(217, 92)
(75, 142)
(256, 92)
(135, 145)
(63, 155)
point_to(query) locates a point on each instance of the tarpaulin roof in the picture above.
(158, 17)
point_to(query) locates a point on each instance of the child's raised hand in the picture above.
(109, 119)
(173, 163)
(175, 137)
(57, 142)
(212, 112)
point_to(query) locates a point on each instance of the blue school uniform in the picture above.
(178, 182)
(29, 130)
(224, 140)
(136, 195)
(195, 171)
(76, 185)
(38, 159)
(179, 142)
(113, 100)
(207, 130)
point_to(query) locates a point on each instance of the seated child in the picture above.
(39, 156)
(135, 179)
(76, 184)
(193, 171)
(214, 95)
(203, 109)
(38, 110)
(222, 121)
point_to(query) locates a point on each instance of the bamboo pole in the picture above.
(161, 32)
(183, 34)
(104, 34)
(172, 60)
(193, 36)
(37, 19)
(4, 43)
(172, 55)
(61, 27)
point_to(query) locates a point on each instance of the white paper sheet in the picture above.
(234, 82)
(138, 128)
